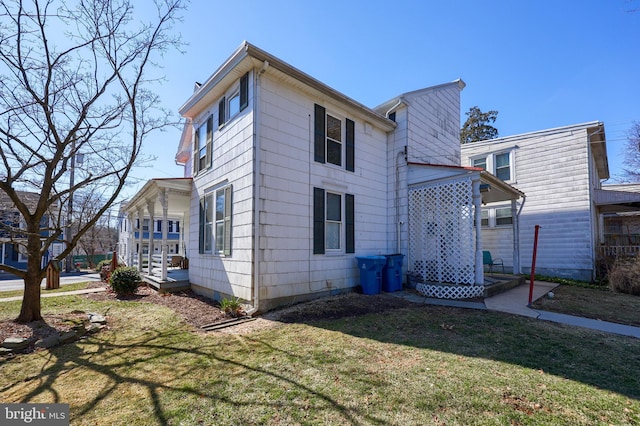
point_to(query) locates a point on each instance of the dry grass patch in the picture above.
(602, 304)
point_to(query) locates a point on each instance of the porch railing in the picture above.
(616, 251)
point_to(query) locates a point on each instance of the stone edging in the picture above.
(94, 323)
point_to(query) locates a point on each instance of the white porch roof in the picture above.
(178, 192)
(492, 189)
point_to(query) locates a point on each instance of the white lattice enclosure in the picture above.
(441, 236)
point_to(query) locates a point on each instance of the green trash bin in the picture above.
(371, 273)
(392, 273)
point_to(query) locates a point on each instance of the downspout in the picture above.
(399, 223)
(256, 192)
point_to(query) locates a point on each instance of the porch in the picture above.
(445, 258)
(160, 207)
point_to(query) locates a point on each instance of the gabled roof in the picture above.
(248, 57)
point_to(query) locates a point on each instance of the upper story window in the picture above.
(235, 100)
(499, 164)
(503, 166)
(203, 144)
(334, 139)
(479, 162)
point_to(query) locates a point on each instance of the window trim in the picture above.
(320, 222)
(321, 139)
(215, 244)
(239, 90)
(490, 161)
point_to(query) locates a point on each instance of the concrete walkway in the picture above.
(515, 302)
(60, 293)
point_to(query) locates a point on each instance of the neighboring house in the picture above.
(293, 180)
(12, 238)
(561, 172)
(621, 226)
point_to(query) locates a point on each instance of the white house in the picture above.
(561, 170)
(292, 180)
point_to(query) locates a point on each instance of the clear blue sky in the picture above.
(540, 64)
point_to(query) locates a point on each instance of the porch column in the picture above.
(164, 201)
(130, 244)
(151, 206)
(516, 237)
(477, 204)
(140, 241)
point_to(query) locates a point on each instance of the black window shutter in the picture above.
(209, 141)
(319, 133)
(350, 219)
(318, 221)
(196, 152)
(201, 228)
(244, 91)
(351, 147)
(221, 112)
(227, 221)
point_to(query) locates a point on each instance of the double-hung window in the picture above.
(203, 149)
(498, 164)
(334, 139)
(215, 222)
(503, 168)
(503, 216)
(236, 100)
(480, 162)
(333, 222)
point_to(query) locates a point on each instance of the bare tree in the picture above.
(632, 153)
(99, 238)
(75, 78)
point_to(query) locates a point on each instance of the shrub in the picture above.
(624, 276)
(232, 307)
(105, 262)
(125, 280)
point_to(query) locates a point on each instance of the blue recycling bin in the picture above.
(371, 273)
(392, 273)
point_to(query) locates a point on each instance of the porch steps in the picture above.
(499, 283)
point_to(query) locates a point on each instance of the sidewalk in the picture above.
(515, 302)
(61, 293)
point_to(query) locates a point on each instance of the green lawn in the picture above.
(414, 366)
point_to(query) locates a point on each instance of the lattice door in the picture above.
(441, 232)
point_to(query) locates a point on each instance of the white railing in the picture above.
(616, 251)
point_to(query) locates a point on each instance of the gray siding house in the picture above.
(293, 180)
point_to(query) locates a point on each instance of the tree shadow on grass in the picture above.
(117, 371)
